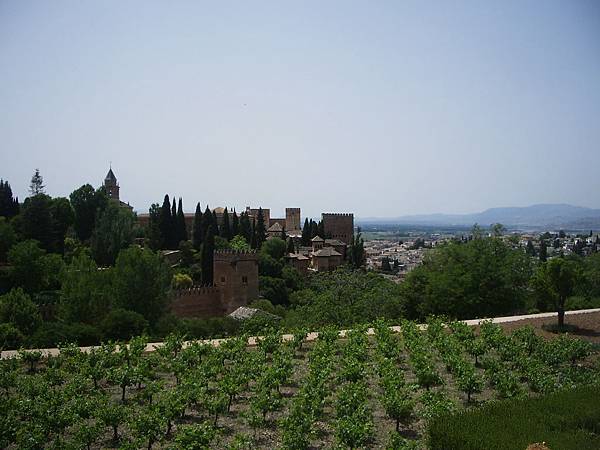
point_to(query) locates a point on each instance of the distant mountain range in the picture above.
(537, 216)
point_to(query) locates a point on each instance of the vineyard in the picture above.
(359, 391)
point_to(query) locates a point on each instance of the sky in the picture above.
(378, 108)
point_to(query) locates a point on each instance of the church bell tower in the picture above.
(111, 186)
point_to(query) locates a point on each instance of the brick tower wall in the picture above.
(253, 213)
(339, 226)
(236, 276)
(292, 219)
(202, 301)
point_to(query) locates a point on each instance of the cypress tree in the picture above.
(173, 231)
(235, 224)
(153, 230)
(207, 220)
(253, 235)
(321, 230)
(9, 206)
(259, 230)
(181, 226)
(215, 222)
(306, 233)
(314, 231)
(165, 223)
(225, 228)
(208, 248)
(246, 227)
(283, 235)
(543, 251)
(291, 248)
(198, 230)
(530, 250)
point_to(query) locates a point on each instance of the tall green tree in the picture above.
(555, 281)
(85, 291)
(165, 223)
(63, 218)
(253, 235)
(207, 221)
(153, 231)
(36, 186)
(215, 222)
(235, 224)
(113, 232)
(36, 220)
(32, 269)
(484, 277)
(87, 204)
(543, 251)
(274, 247)
(198, 230)
(17, 309)
(314, 229)
(182, 234)
(321, 230)
(291, 248)
(283, 235)
(305, 239)
(530, 249)
(9, 205)
(246, 227)
(207, 257)
(226, 228)
(8, 238)
(174, 243)
(140, 283)
(260, 230)
(356, 252)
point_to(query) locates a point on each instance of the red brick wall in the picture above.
(236, 274)
(197, 302)
(339, 226)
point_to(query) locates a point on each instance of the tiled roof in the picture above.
(317, 239)
(334, 242)
(327, 251)
(275, 227)
(298, 256)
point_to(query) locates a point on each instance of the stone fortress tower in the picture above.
(292, 219)
(236, 275)
(339, 226)
(235, 284)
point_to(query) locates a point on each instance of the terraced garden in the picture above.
(359, 391)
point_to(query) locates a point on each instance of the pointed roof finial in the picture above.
(110, 176)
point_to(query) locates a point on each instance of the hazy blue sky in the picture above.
(378, 108)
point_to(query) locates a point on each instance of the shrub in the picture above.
(10, 337)
(181, 281)
(122, 324)
(17, 308)
(565, 420)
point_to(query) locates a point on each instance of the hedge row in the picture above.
(564, 420)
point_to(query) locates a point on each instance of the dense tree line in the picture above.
(69, 272)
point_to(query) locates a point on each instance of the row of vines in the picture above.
(365, 390)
